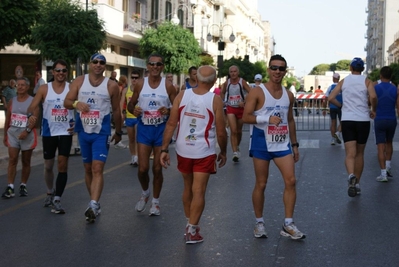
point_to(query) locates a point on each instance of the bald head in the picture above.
(206, 74)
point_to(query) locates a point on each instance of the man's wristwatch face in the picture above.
(28, 129)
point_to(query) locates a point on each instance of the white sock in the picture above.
(192, 229)
(11, 185)
(388, 164)
(155, 201)
(258, 220)
(383, 172)
(287, 221)
(146, 192)
(57, 198)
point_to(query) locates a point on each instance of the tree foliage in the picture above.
(343, 64)
(176, 44)
(65, 30)
(247, 69)
(320, 69)
(16, 20)
(375, 74)
(207, 60)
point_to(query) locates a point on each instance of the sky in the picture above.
(312, 32)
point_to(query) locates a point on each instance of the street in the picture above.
(341, 231)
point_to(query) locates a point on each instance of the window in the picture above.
(180, 15)
(154, 9)
(168, 11)
(123, 51)
(138, 7)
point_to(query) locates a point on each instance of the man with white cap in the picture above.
(334, 112)
(258, 80)
(357, 91)
(93, 96)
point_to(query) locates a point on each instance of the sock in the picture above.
(60, 183)
(192, 229)
(187, 220)
(93, 202)
(11, 185)
(57, 198)
(22, 184)
(258, 220)
(388, 164)
(383, 172)
(50, 192)
(146, 192)
(287, 221)
(155, 201)
(350, 175)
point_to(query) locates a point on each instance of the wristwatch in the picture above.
(118, 134)
(295, 144)
(28, 130)
(165, 150)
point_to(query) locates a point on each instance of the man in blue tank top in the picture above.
(385, 121)
(334, 112)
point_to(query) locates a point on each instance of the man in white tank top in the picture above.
(357, 92)
(154, 96)
(93, 96)
(198, 114)
(273, 137)
(57, 131)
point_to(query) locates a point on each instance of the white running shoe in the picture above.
(135, 161)
(155, 209)
(291, 231)
(140, 205)
(120, 145)
(259, 231)
(382, 179)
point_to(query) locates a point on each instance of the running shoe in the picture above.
(120, 145)
(358, 190)
(23, 192)
(337, 139)
(140, 205)
(333, 141)
(57, 208)
(291, 231)
(259, 231)
(48, 201)
(155, 210)
(134, 161)
(193, 239)
(382, 179)
(92, 211)
(389, 172)
(236, 157)
(8, 193)
(351, 186)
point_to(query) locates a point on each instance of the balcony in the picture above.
(230, 7)
(112, 17)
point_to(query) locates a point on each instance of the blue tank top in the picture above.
(338, 97)
(387, 95)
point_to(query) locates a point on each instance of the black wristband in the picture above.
(295, 144)
(118, 134)
(165, 150)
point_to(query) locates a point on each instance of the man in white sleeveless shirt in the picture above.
(273, 137)
(199, 115)
(357, 92)
(154, 96)
(57, 130)
(93, 96)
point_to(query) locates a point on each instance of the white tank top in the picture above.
(150, 100)
(196, 134)
(277, 137)
(56, 117)
(98, 119)
(235, 93)
(355, 99)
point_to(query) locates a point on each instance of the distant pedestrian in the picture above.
(19, 135)
(198, 114)
(385, 121)
(293, 91)
(57, 130)
(357, 92)
(273, 137)
(257, 80)
(39, 81)
(113, 76)
(334, 112)
(8, 93)
(191, 81)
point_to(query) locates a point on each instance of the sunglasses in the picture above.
(95, 62)
(134, 77)
(158, 64)
(280, 68)
(61, 70)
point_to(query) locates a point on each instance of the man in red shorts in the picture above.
(199, 115)
(233, 92)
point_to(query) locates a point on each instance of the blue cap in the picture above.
(98, 56)
(357, 62)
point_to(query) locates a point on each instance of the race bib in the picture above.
(59, 115)
(277, 134)
(90, 118)
(19, 120)
(234, 100)
(152, 117)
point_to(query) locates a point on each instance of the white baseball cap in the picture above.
(258, 77)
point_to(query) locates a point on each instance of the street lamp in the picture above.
(175, 19)
(221, 43)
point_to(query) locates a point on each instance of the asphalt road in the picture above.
(341, 231)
